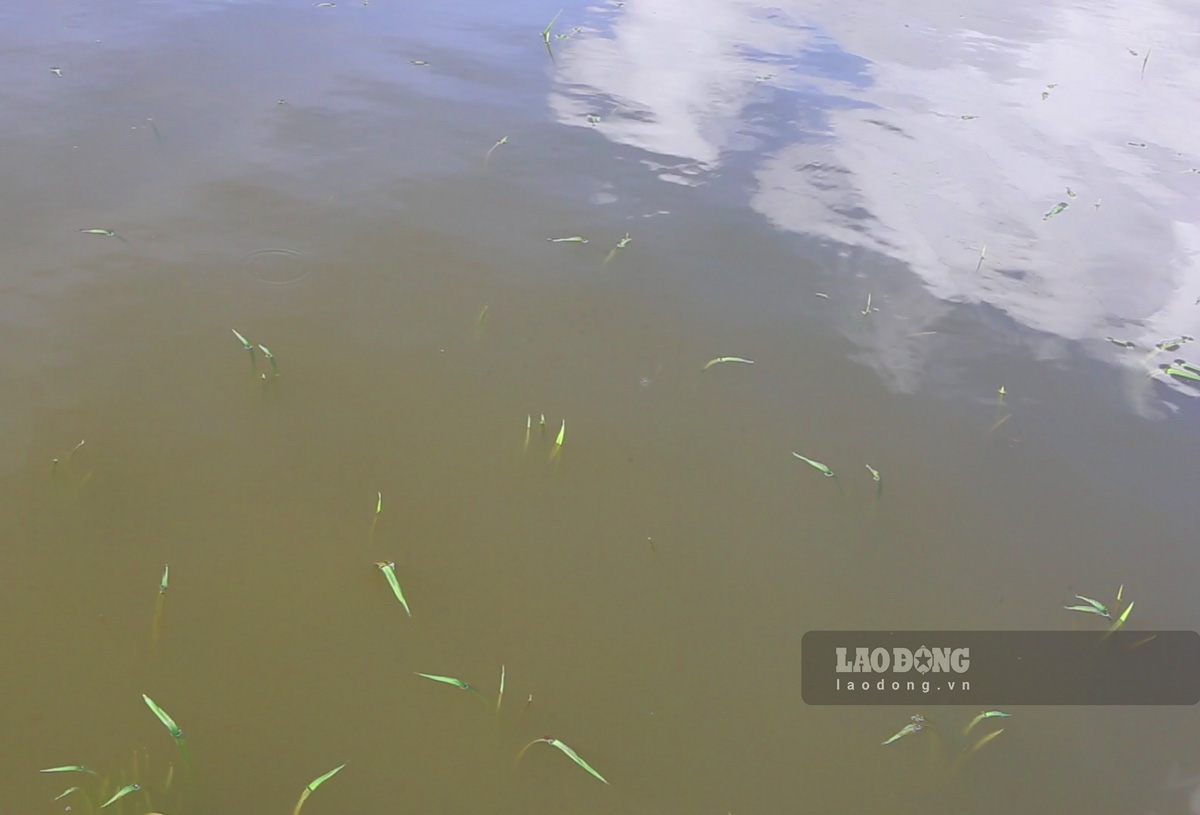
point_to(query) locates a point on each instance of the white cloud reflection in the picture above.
(936, 187)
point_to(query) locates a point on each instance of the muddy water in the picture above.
(809, 187)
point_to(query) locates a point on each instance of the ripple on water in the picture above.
(277, 267)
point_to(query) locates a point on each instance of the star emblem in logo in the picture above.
(923, 660)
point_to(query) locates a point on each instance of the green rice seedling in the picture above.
(1171, 370)
(816, 465)
(999, 419)
(106, 232)
(65, 793)
(375, 519)
(621, 244)
(1119, 622)
(312, 786)
(982, 252)
(985, 740)
(1055, 210)
(528, 426)
(987, 714)
(572, 239)
(878, 479)
(719, 360)
(546, 34)
(1120, 343)
(270, 358)
(56, 71)
(488, 156)
(567, 751)
(176, 733)
(500, 695)
(556, 451)
(159, 604)
(245, 342)
(525, 709)
(389, 572)
(913, 726)
(1092, 607)
(158, 138)
(866, 312)
(121, 793)
(450, 680)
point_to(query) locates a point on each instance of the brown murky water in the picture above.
(318, 178)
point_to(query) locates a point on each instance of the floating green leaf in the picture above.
(907, 730)
(448, 680)
(312, 786)
(719, 360)
(389, 572)
(70, 768)
(567, 751)
(121, 793)
(1057, 208)
(818, 465)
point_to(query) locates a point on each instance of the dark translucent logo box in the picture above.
(993, 668)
